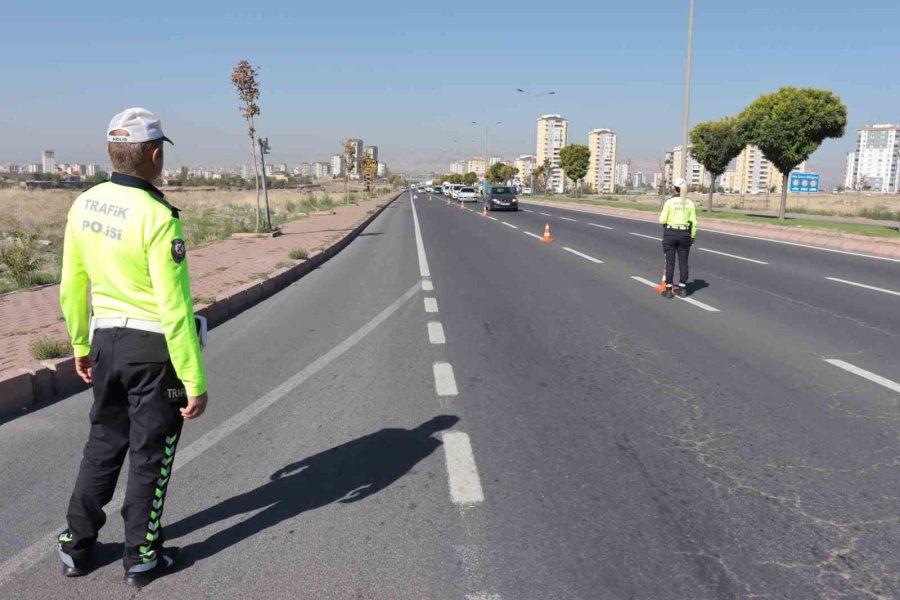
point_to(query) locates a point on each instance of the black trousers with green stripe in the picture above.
(137, 397)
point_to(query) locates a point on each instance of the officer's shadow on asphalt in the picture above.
(695, 286)
(347, 473)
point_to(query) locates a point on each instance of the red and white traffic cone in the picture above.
(547, 237)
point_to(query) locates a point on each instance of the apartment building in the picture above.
(601, 175)
(551, 138)
(875, 161)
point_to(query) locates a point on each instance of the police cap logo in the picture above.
(178, 250)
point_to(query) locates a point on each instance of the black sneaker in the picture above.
(164, 563)
(667, 293)
(70, 566)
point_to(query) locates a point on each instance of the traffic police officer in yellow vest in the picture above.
(137, 345)
(679, 221)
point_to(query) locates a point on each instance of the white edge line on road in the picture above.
(420, 247)
(753, 260)
(584, 256)
(705, 307)
(45, 545)
(891, 385)
(444, 381)
(431, 305)
(462, 474)
(493, 218)
(545, 214)
(862, 285)
(436, 333)
(649, 237)
(532, 235)
(600, 226)
(509, 224)
(427, 285)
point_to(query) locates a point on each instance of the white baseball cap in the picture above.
(679, 182)
(141, 125)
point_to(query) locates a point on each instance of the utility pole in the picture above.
(685, 123)
(263, 150)
(486, 161)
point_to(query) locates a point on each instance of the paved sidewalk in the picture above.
(216, 269)
(848, 242)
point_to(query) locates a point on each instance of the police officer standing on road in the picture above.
(139, 347)
(679, 221)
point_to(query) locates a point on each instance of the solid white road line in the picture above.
(509, 224)
(431, 305)
(753, 260)
(705, 307)
(862, 285)
(462, 474)
(532, 235)
(584, 256)
(568, 219)
(891, 385)
(436, 333)
(444, 381)
(427, 285)
(34, 553)
(545, 214)
(420, 247)
(493, 218)
(649, 237)
(599, 225)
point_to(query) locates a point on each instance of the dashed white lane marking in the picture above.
(752, 260)
(891, 385)
(36, 552)
(509, 224)
(863, 285)
(584, 256)
(545, 214)
(568, 219)
(493, 218)
(427, 285)
(532, 234)
(649, 237)
(436, 333)
(431, 305)
(483, 596)
(420, 247)
(527, 210)
(761, 239)
(705, 307)
(462, 474)
(444, 381)
(599, 225)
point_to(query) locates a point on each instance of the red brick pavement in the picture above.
(216, 269)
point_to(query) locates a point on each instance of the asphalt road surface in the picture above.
(451, 408)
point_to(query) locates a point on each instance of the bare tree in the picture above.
(244, 79)
(350, 155)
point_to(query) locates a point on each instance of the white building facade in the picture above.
(876, 159)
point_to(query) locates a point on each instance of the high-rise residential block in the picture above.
(755, 174)
(372, 152)
(601, 175)
(476, 165)
(875, 162)
(337, 165)
(551, 138)
(525, 165)
(48, 161)
(357, 158)
(696, 172)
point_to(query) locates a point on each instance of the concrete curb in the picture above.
(830, 240)
(26, 389)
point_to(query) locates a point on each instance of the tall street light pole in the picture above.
(687, 102)
(484, 178)
(534, 156)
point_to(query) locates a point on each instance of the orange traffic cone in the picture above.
(448, 201)
(461, 205)
(484, 211)
(429, 197)
(547, 237)
(662, 284)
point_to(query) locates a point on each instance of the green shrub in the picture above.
(298, 254)
(21, 261)
(45, 348)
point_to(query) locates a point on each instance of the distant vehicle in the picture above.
(467, 194)
(402, 188)
(526, 191)
(445, 188)
(454, 190)
(501, 198)
(429, 189)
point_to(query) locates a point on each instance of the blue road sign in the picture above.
(804, 182)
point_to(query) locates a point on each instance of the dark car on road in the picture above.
(501, 198)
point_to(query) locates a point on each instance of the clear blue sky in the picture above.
(411, 76)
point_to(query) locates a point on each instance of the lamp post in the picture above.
(263, 150)
(534, 156)
(484, 178)
(687, 101)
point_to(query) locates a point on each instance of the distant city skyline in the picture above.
(374, 87)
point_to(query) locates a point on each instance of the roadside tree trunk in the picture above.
(712, 190)
(255, 167)
(784, 191)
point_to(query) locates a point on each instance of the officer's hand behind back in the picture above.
(196, 406)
